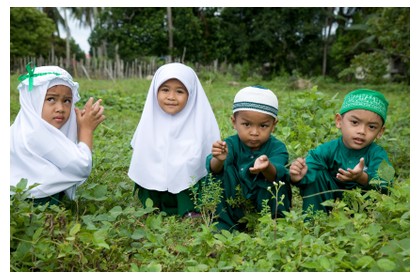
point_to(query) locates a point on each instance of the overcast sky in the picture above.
(79, 34)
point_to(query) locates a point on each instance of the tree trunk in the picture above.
(68, 35)
(171, 42)
(328, 27)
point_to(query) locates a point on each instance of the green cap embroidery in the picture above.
(366, 99)
(31, 75)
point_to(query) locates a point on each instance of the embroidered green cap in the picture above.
(365, 99)
(258, 99)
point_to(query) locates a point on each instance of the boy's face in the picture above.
(172, 96)
(57, 105)
(359, 128)
(254, 128)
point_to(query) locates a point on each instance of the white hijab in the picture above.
(169, 151)
(39, 151)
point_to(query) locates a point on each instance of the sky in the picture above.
(80, 34)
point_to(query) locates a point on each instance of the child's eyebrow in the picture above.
(358, 119)
(54, 94)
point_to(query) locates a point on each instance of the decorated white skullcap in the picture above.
(258, 99)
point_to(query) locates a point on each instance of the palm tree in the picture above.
(87, 17)
(55, 14)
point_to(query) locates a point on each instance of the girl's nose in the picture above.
(59, 107)
(171, 95)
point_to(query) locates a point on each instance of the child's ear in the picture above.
(274, 124)
(381, 132)
(338, 119)
(232, 119)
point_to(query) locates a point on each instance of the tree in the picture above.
(135, 32)
(30, 32)
(377, 39)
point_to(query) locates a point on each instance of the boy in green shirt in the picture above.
(252, 159)
(347, 162)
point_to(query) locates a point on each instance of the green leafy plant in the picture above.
(206, 196)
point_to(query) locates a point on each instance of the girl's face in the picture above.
(254, 128)
(172, 96)
(359, 128)
(57, 105)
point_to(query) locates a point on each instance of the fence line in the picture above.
(95, 68)
(91, 68)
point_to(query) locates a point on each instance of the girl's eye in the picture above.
(50, 99)
(372, 127)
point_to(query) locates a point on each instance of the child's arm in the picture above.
(88, 119)
(219, 152)
(262, 164)
(354, 175)
(298, 170)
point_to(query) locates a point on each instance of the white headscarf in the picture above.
(169, 151)
(39, 151)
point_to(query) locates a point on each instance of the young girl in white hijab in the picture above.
(173, 138)
(51, 140)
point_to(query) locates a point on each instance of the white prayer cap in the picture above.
(258, 99)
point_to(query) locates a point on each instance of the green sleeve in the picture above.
(317, 159)
(279, 157)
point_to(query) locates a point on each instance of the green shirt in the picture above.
(333, 155)
(241, 158)
(254, 187)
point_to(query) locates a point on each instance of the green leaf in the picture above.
(37, 234)
(386, 264)
(74, 230)
(138, 234)
(386, 171)
(99, 238)
(149, 203)
(116, 211)
(325, 263)
(364, 262)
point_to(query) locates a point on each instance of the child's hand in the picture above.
(88, 119)
(219, 150)
(91, 115)
(260, 164)
(298, 170)
(353, 175)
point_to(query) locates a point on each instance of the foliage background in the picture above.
(269, 41)
(107, 229)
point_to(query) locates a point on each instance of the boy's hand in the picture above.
(219, 150)
(260, 164)
(354, 175)
(298, 170)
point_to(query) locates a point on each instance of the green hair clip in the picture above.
(31, 74)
